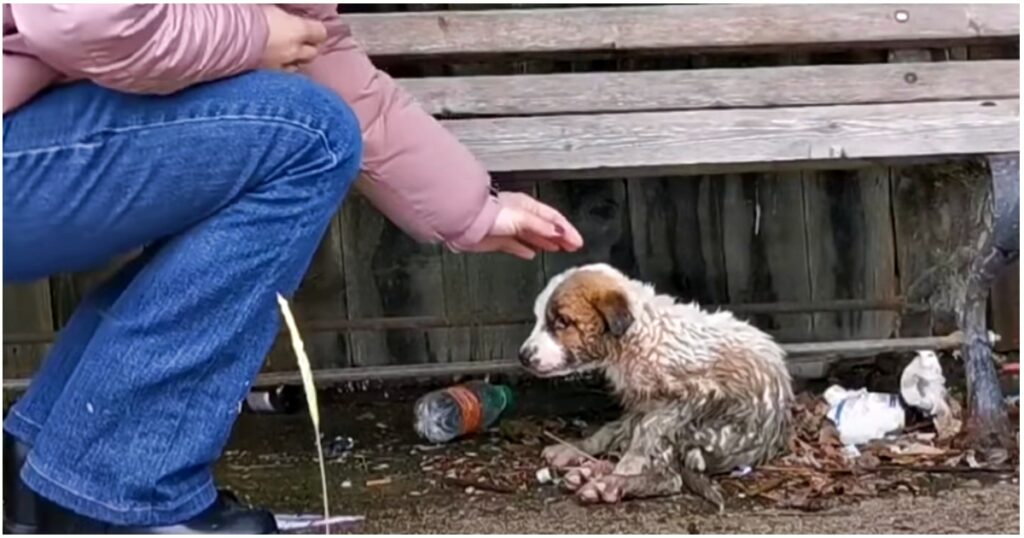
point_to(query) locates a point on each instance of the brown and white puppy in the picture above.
(704, 393)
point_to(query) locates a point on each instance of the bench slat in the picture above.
(706, 140)
(524, 95)
(676, 27)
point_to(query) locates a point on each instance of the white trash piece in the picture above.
(861, 416)
(923, 386)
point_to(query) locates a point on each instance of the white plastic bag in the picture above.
(861, 416)
(922, 384)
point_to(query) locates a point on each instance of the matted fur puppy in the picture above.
(704, 393)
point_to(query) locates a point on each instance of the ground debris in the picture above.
(817, 472)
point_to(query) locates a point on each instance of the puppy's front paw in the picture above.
(561, 457)
(589, 470)
(607, 489)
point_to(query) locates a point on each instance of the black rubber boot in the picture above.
(19, 502)
(226, 516)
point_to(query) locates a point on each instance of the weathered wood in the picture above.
(600, 211)
(850, 248)
(677, 233)
(566, 93)
(796, 352)
(388, 274)
(765, 248)
(710, 237)
(488, 286)
(858, 348)
(695, 27)
(705, 139)
(26, 309)
(342, 325)
(321, 295)
(929, 207)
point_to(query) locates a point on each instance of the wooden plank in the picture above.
(566, 93)
(482, 286)
(708, 138)
(321, 295)
(600, 211)
(26, 309)
(699, 27)
(850, 249)
(799, 354)
(677, 229)
(388, 274)
(765, 249)
(342, 325)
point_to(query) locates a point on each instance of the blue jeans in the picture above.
(230, 187)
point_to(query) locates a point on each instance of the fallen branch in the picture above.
(557, 439)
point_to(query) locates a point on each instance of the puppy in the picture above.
(704, 393)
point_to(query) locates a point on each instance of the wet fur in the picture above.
(704, 392)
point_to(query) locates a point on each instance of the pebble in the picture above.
(543, 475)
(381, 467)
(415, 493)
(470, 490)
(346, 484)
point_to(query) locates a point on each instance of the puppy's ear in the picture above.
(614, 308)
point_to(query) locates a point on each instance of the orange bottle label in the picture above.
(469, 406)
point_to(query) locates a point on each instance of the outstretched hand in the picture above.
(525, 226)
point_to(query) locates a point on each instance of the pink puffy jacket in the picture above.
(414, 171)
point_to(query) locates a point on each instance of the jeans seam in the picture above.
(319, 133)
(185, 499)
(24, 418)
(51, 149)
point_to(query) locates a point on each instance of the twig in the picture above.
(465, 482)
(579, 451)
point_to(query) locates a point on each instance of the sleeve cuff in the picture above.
(479, 228)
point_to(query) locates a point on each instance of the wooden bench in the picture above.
(894, 106)
(906, 109)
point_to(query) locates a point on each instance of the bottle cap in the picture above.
(509, 396)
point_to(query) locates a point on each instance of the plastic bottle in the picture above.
(861, 416)
(446, 414)
(283, 399)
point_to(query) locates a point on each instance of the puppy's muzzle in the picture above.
(528, 357)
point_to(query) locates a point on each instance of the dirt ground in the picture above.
(403, 486)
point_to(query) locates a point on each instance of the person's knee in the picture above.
(314, 109)
(313, 105)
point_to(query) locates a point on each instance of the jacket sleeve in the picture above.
(414, 171)
(145, 48)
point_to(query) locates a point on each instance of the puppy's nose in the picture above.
(526, 355)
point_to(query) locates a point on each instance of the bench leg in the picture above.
(997, 246)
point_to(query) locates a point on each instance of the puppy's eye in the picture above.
(560, 323)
